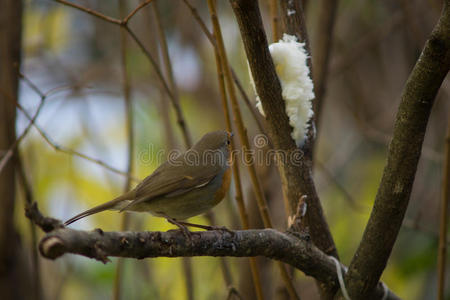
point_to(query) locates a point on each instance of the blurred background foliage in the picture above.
(375, 47)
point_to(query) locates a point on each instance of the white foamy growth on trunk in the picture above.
(289, 57)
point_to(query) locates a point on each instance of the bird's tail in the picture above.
(116, 203)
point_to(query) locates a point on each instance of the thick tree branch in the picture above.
(404, 153)
(295, 175)
(285, 247)
(173, 243)
(293, 20)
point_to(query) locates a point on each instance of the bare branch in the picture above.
(129, 121)
(274, 20)
(169, 72)
(393, 194)
(178, 112)
(91, 12)
(45, 223)
(270, 243)
(173, 243)
(361, 46)
(239, 195)
(124, 23)
(242, 132)
(73, 152)
(296, 177)
(9, 153)
(134, 11)
(212, 40)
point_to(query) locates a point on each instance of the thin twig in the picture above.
(296, 178)
(237, 176)
(134, 11)
(73, 152)
(250, 106)
(166, 61)
(9, 153)
(179, 114)
(212, 40)
(118, 279)
(232, 291)
(444, 219)
(122, 22)
(33, 86)
(202, 24)
(274, 20)
(32, 122)
(353, 204)
(91, 12)
(169, 70)
(368, 41)
(257, 188)
(163, 102)
(129, 116)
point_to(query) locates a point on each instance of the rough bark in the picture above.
(295, 172)
(404, 152)
(288, 248)
(293, 19)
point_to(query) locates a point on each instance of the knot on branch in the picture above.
(296, 222)
(45, 223)
(52, 247)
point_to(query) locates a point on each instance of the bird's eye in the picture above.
(228, 142)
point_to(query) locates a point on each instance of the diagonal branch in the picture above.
(237, 175)
(135, 10)
(236, 80)
(176, 105)
(393, 194)
(124, 23)
(9, 153)
(242, 132)
(69, 151)
(91, 12)
(296, 175)
(129, 121)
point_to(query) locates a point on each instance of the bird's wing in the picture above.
(171, 180)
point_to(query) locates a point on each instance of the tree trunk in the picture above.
(11, 258)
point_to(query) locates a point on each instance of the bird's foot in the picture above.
(208, 227)
(182, 227)
(222, 228)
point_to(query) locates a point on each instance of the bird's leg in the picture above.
(207, 227)
(182, 227)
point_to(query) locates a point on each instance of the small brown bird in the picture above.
(184, 187)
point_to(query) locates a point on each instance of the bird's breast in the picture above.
(222, 190)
